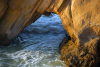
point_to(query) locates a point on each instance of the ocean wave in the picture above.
(45, 24)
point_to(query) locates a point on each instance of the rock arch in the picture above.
(79, 17)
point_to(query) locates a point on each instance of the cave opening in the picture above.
(38, 44)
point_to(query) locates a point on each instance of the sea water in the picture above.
(36, 46)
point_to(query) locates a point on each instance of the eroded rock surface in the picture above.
(20, 13)
(3, 7)
(80, 18)
(83, 56)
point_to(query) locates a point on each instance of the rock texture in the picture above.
(3, 7)
(19, 14)
(80, 18)
(64, 42)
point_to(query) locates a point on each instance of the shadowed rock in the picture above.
(80, 18)
(78, 56)
(64, 42)
(3, 7)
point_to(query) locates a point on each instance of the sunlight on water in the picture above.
(36, 46)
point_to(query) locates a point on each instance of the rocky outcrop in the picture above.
(76, 56)
(3, 7)
(64, 42)
(19, 14)
(80, 18)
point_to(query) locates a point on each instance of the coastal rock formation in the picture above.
(76, 56)
(63, 43)
(80, 18)
(19, 14)
(3, 7)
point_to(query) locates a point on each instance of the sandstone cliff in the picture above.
(80, 18)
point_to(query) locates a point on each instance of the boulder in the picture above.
(77, 56)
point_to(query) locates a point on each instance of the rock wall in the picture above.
(80, 18)
(16, 15)
(3, 7)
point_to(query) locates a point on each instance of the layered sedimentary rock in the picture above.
(80, 18)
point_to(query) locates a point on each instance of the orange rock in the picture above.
(80, 18)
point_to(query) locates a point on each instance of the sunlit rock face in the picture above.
(80, 18)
